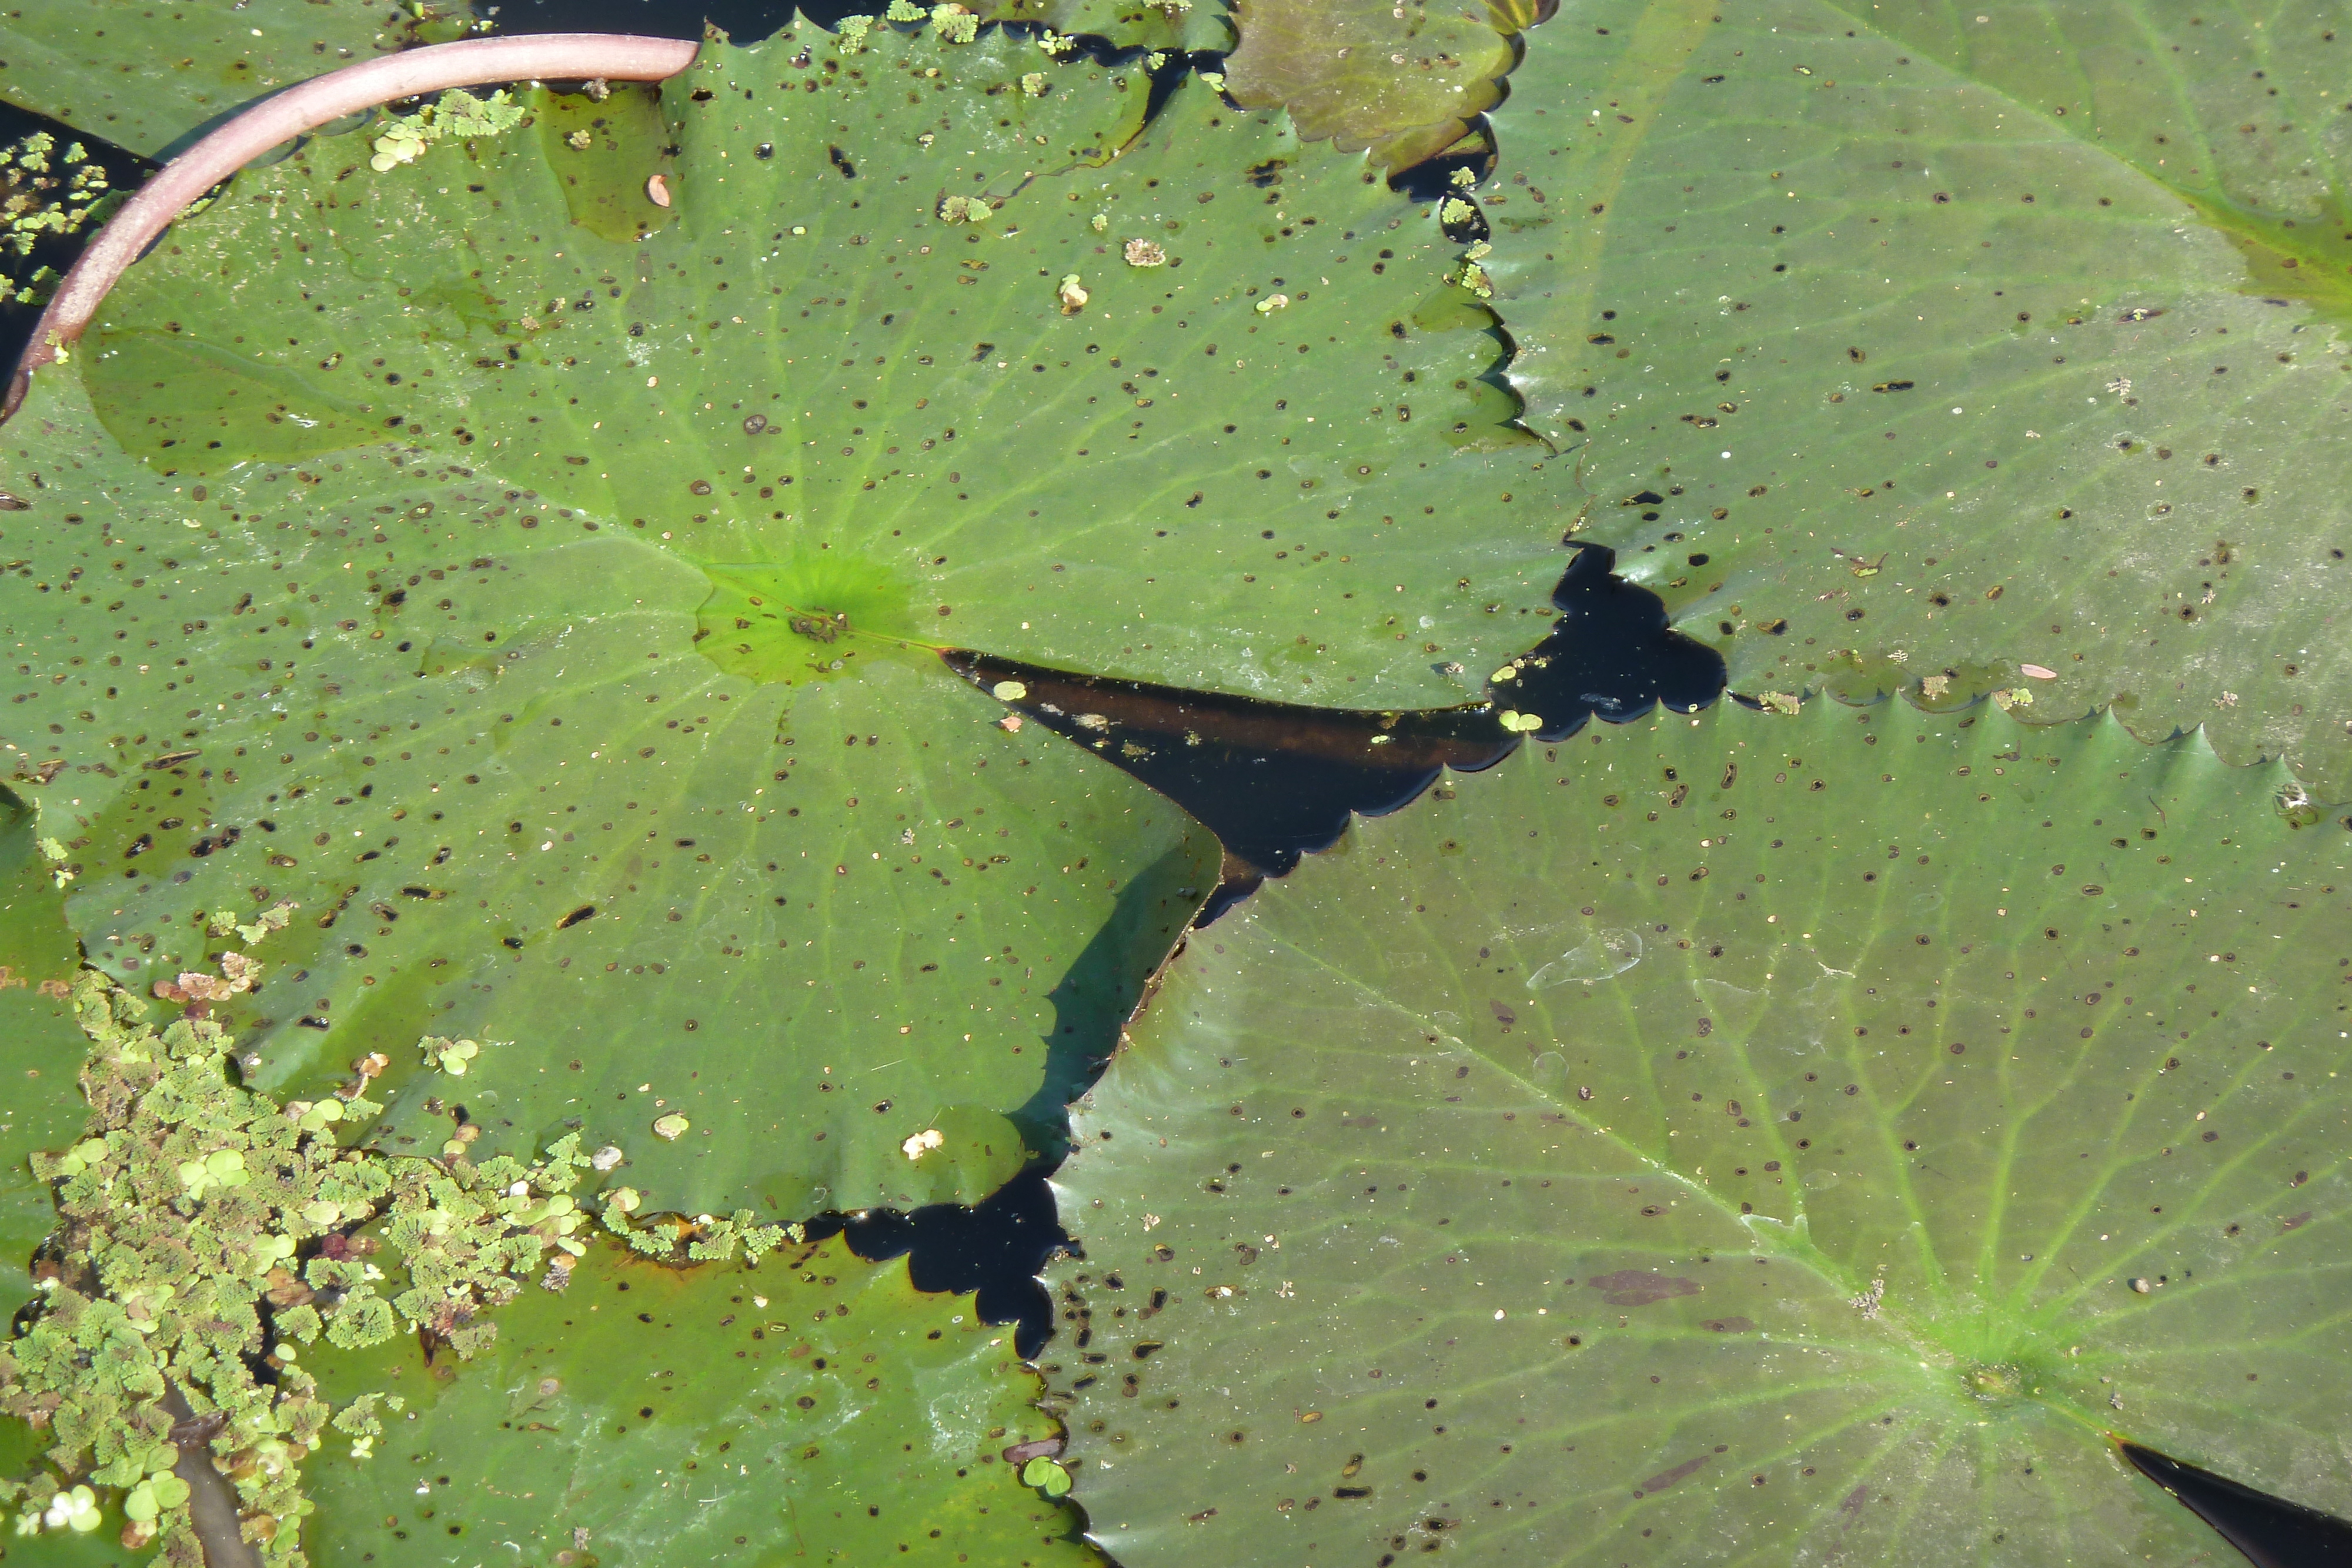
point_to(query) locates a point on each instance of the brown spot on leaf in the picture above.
(1640, 1287)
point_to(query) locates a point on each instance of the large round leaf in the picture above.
(815, 1406)
(1735, 1139)
(1913, 346)
(813, 370)
(552, 619)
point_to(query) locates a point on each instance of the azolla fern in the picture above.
(44, 194)
(207, 1233)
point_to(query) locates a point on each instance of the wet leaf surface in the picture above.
(815, 1406)
(1913, 348)
(1729, 1140)
(149, 77)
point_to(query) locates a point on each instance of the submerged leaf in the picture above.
(1402, 77)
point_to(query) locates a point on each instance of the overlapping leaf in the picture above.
(148, 78)
(1405, 81)
(1735, 1140)
(546, 611)
(1916, 345)
(815, 1406)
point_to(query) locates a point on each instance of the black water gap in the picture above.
(125, 172)
(2269, 1531)
(1274, 781)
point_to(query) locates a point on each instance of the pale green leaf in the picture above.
(1909, 346)
(1734, 1141)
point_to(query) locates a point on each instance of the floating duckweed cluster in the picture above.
(1468, 272)
(707, 1238)
(43, 192)
(205, 1231)
(457, 115)
(955, 23)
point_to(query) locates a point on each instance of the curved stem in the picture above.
(615, 57)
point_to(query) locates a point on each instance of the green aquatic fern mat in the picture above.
(1909, 347)
(204, 1235)
(1743, 1139)
(151, 79)
(816, 1404)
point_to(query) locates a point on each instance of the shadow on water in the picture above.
(1273, 782)
(995, 1250)
(2271, 1531)
(1101, 990)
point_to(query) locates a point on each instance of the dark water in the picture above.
(994, 1251)
(125, 172)
(1273, 780)
(2272, 1532)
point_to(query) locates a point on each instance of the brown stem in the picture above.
(615, 57)
(213, 1506)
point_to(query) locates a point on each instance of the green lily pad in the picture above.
(1173, 24)
(592, 712)
(41, 1047)
(148, 78)
(1900, 359)
(1736, 1138)
(1405, 80)
(817, 1404)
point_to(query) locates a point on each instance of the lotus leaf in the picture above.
(1914, 346)
(1749, 1138)
(815, 1406)
(149, 78)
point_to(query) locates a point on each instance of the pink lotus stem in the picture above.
(614, 57)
